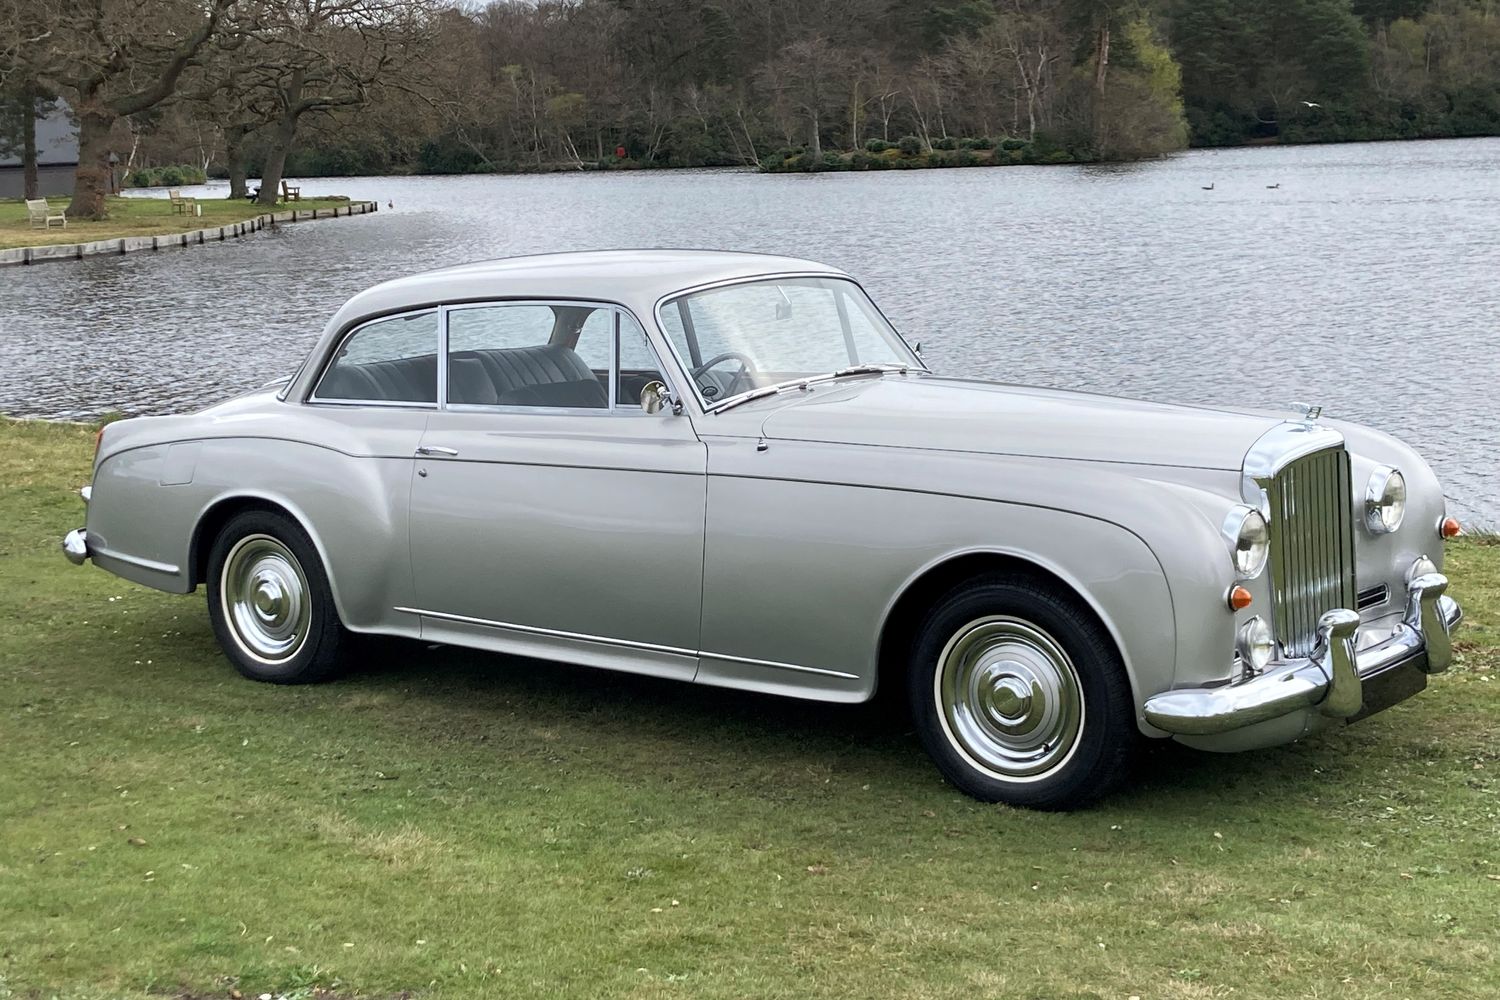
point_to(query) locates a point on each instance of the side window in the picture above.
(391, 360)
(521, 354)
(638, 365)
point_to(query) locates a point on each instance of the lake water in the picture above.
(1368, 281)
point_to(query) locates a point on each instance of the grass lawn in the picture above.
(135, 217)
(458, 825)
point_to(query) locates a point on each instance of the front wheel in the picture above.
(270, 602)
(1020, 696)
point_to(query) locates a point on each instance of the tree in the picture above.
(808, 80)
(320, 56)
(20, 109)
(114, 58)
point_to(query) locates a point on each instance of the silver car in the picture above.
(730, 469)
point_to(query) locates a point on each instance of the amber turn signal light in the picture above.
(1449, 527)
(1239, 598)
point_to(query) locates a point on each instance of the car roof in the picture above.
(637, 279)
(614, 275)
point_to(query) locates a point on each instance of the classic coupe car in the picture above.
(730, 469)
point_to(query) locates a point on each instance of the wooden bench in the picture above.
(289, 193)
(181, 205)
(42, 216)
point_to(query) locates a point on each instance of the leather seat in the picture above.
(407, 380)
(544, 375)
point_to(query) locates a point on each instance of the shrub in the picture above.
(170, 177)
(1013, 144)
(787, 152)
(860, 160)
(980, 143)
(894, 153)
(141, 178)
(946, 142)
(963, 158)
(937, 158)
(909, 145)
(833, 161)
(878, 145)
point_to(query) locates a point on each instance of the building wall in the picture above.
(54, 179)
(56, 157)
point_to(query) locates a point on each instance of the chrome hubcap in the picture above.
(1009, 698)
(265, 598)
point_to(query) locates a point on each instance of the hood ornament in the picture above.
(1310, 411)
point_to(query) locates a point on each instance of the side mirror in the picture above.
(918, 348)
(655, 397)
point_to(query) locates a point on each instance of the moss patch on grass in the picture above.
(136, 217)
(459, 825)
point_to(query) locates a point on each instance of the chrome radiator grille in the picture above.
(1312, 546)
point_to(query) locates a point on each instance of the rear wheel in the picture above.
(1019, 695)
(270, 602)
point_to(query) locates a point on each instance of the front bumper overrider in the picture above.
(1332, 680)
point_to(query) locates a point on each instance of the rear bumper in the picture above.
(1334, 680)
(75, 546)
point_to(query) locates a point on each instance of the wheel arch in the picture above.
(223, 509)
(904, 614)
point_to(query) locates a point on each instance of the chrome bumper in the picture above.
(75, 546)
(1330, 680)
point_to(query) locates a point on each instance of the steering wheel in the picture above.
(746, 363)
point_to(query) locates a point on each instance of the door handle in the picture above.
(433, 449)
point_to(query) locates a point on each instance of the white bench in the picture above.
(41, 216)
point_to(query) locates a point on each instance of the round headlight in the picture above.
(1385, 500)
(1255, 644)
(1249, 541)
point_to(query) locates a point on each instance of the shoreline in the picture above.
(119, 245)
(589, 168)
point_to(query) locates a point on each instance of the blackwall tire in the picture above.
(270, 603)
(1020, 696)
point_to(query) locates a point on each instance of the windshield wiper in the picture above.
(803, 383)
(761, 393)
(869, 370)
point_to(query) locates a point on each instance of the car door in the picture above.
(550, 514)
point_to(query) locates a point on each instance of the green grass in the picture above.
(457, 825)
(136, 217)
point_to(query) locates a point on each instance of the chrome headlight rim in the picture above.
(1248, 535)
(1385, 500)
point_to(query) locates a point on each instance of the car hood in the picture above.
(959, 415)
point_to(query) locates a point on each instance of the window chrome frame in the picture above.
(313, 399)
(612, 407)
(686, 370)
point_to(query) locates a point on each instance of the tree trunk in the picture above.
(91, 179)
(1101, 72)
(28, 143)
(817, 140)
(281, 144)
(234, 155)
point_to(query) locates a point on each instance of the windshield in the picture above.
(737, 338)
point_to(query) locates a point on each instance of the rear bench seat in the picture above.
(545, 375)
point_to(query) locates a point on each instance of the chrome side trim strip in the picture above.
(151, 564)
(549, 632)
(821, 671)
(626, 643)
